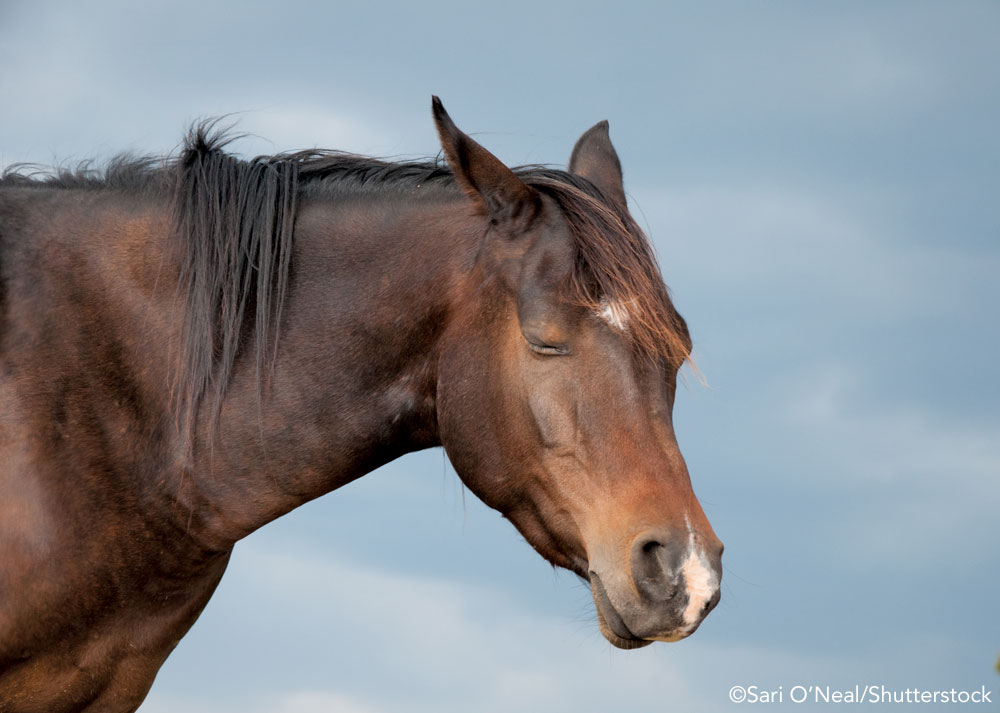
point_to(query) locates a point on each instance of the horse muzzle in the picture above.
(667, 588)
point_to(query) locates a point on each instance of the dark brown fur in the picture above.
(190, 348)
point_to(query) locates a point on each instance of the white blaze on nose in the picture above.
(614, 313)
(700, 580)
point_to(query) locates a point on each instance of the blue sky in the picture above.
(820, 181)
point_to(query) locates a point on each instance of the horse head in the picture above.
(556, 385)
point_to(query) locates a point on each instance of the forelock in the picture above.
(616, 273)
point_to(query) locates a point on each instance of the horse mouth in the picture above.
(610, 621)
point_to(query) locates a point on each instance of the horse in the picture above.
(193, 345)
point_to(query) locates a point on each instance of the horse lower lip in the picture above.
(611, 616)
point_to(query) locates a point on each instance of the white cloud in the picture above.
(926, 486)
(320, 702)
(885, 443)
(79, 98)
(396, 642)
(418, 644)
(295, 126)
(294, 701)
(833, 250)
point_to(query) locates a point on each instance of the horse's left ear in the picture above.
(595, 158)
(495, 188)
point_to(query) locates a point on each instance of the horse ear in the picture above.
(595, 159)
(495, 188)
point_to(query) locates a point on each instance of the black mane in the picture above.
(318, 170)
(235, 219)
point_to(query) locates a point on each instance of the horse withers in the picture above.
(191, 347)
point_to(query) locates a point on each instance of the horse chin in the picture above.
(619, 641)
(615, 632)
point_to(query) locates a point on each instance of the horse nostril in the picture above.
(655, 566)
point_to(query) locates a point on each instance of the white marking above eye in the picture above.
(614, 313)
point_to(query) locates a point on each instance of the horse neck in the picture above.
(355, 377)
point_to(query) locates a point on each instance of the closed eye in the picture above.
(548, 349)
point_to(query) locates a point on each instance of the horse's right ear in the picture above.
(497, 191)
